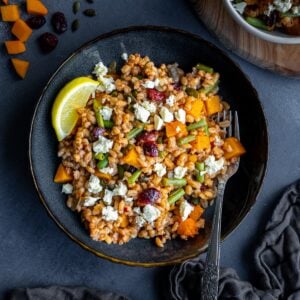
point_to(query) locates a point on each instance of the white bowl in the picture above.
(270, 36)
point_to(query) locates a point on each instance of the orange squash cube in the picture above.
(202, 142)
(213, 105)
(188, 228)
(21, 30)
(102, 175)
(10, 13)
(61, 175)
(15, 47)
(176, 128)
(21, 66)
(36, 7)
(196, 213)
(132, 158)
(233, 148)
(194, 107)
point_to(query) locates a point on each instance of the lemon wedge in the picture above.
(72, 96)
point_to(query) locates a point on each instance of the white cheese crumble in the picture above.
(150, 213)
(124, 56)
(106, 112)
(160, 169)
(137, 210)
(179, 172)
(170, 100)
(151, 107)
(141, 113)
(166, 115)
(185, 209)
(212, 165)
(149, 84)
(218, 141)
(107, 198)
(180, 115)
(240, 7)
(283, 5)
(100, 70)
(103, 145)
(296, 10)
(106, 84)
(109, 213)
(108, 170)
(94, 185)
(140, 221)
(269, 9)
(67, 188)
(158, 123)
(120, 190)
(128, 199)
(90, 201)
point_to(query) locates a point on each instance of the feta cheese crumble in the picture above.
(90, 201)
(67, 188)
(148, 84)
(166, 115)
(108, 170)
(151, 107)
(160, 169)
(283, 5)
(120, 190)
(269, 9)
(240, 7)
(158, 123)
(185, 209)
(103, 145)
(140, 221)
(141, 113)
(109, 213)
(212, 165)
(107, 198)
(94, 185)
(106, 84)
(179, 172)
(124, 56)
(180, 115)
(100, 70)
(150, 213)
(170, 100)
(106, 112)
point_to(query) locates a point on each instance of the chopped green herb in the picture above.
(176, 195)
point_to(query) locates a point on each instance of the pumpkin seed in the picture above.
(75, 25)
(89, 12)
(76, 7)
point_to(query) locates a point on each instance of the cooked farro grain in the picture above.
(144, 158)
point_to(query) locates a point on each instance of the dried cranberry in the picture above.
(98, 132)
(150, 149)
(48, 41)
(36, 22)
(148, 196)
(177, 86)
(156, 95)
(131, 169)
(147, 136)
(59, 22)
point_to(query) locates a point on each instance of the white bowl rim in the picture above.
(258, 32)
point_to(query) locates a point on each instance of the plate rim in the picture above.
(103, 36)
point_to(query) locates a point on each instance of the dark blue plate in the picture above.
(162, 45)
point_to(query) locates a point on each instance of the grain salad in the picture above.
(143, 158)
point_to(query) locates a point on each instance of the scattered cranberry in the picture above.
(131, 169)
(177, 86)
(59, 22)
(156, 95)
(126, 209)
(147, 136)
(149, 196)
(36, 22)
(150, 149)
(48, 41)
(98, 132)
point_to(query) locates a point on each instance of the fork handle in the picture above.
(210, 277)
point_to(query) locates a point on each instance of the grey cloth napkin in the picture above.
(277, 260)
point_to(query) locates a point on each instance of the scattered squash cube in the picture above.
(10, 13)
(213, 105)
(102, 175)
(61, 175)
(194, 107)
(202, 142)
(15, 47)
(36, 7)
(233, 148)
(176, 128)
(21, 30)
(132, 158)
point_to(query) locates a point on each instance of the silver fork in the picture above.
(210, 278)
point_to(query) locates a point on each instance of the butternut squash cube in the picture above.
(36, 7)
(213, 105)
(61, 175)
(132, 158)
(194, 107)
(21, 30)
(175, 128)
(202, 142)
(21, 66)
(233, 148)
(10, 13)
(15, 47)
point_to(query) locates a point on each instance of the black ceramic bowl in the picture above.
(162, 45)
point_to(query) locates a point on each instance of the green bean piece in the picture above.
(174, 181)
(196, 125)
(99, 156)
(134, 132)
(99, 119)
(204, 68)
(133, 178)
(200, 166)
(121, 171)
(210, 88)
(200, 178)
(108, 124)
(186, 140)
(256, 22)
(176, 195)
(102, 163)
(191, 92)
(206, 130)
